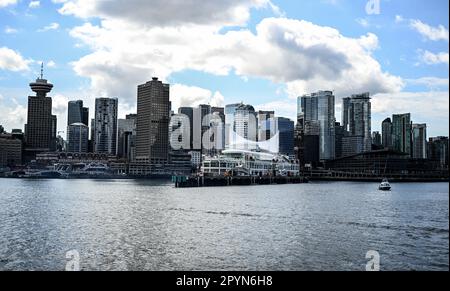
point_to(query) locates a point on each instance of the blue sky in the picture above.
(400, 54)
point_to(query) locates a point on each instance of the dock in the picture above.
(198, 181)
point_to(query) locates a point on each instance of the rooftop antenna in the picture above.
(42, 70)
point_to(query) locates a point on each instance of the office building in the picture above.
(10, 150)
(230, 131)
(419, 141)
(285, 128)
(320, 107)
(126, 146)
(40, 130)
(266, 125)
(386, 134)
(401, 133)
(76, 113)
(189, 113)
(357, 119)
(245, 127)
(152, 127)
(376, 139)
(105, 126)
(438, 151)
(78, 138)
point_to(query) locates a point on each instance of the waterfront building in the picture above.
(249, 163)
(386, 131)
(376, 139)
(78, 138)
(189, 113)
(218, 124)
(320, 107)
(105, 126)
(196, 158)
(438, 151)
(40, 130)
(266, 125)
(245, 127)
(357, 119)
(152, 127)
(10, 150)
(126, 147)
(419, 141)
(76, 113)
(352, 145)
(230, 131)
(285, 128)
(201, 125)
(401, 133)
(384, 163)
(340, 134)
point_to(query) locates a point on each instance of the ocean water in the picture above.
(150, 225)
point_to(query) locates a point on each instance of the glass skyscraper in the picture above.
(419, 141)
(320, 107)
(401, 133)
(78, 138)
(105, 126)
(76, 113)
(357, 119)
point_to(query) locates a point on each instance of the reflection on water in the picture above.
(149, 225)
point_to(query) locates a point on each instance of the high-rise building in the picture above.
(127, 137)
(376, 139)
(438, 150)
(40, 130)
(419, 141)
(10, 150)
(105, 125)
(285, 128)
(78, 138)
(246, 127)
(76, 113)
(386, 131)
(266, 125)
(346, 103)
(357, 119)
(230, 131)
(320, 107)
(401, 133)
(189, 112)
(340, 134)
(152, 127)
(218, 124)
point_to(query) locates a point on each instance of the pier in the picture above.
(211, 181)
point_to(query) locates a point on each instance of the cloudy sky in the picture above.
(262, 52)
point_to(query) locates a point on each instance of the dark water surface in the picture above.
(149, 225)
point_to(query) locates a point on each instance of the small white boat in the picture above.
(385, 186)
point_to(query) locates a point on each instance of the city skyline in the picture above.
(406, 76)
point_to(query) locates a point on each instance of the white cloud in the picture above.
(422, 105)
(51, 26)
(305, 56)
(10, 30)
(168, 12)
(34, 4)
(429, 32)
(430, 58)
(182, 95)
(399, 18)
(283, 108)
(364, 22)
(51, 64)
(12, 60)
(4, 3)
(430, 82)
